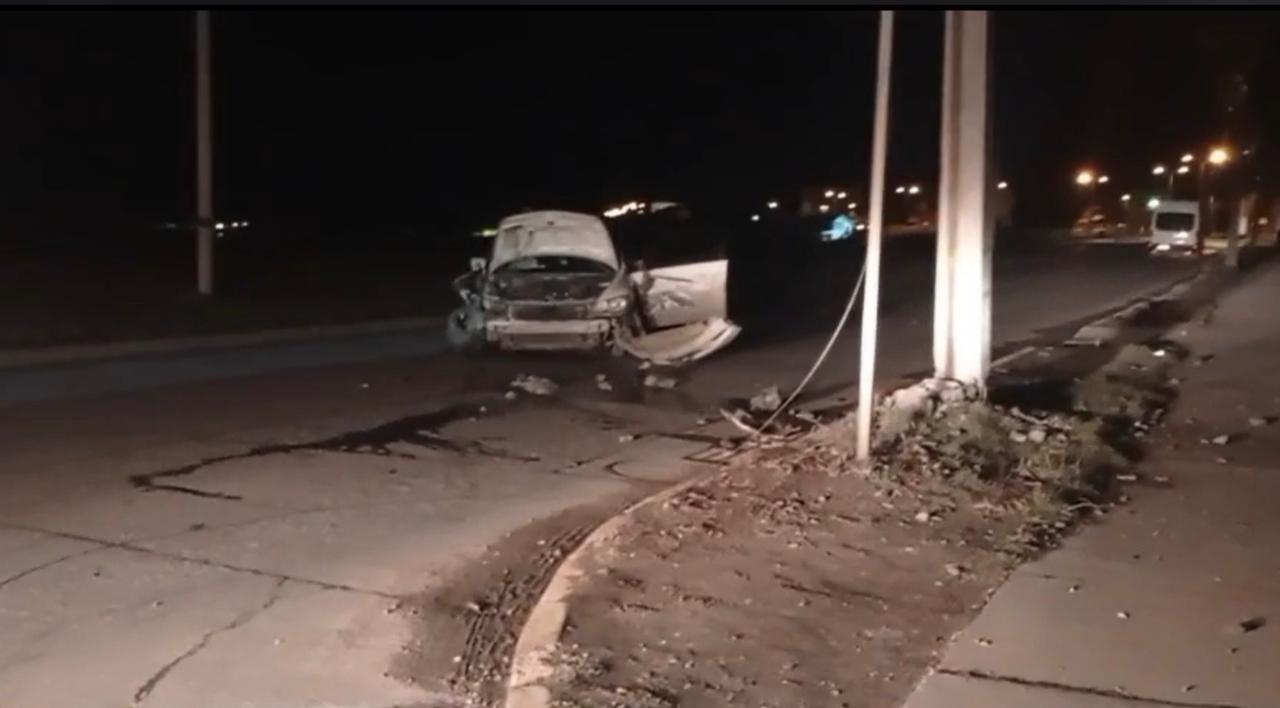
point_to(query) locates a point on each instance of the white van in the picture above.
(1174, 225)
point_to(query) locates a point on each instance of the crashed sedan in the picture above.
(554, 281)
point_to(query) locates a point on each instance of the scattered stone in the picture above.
(1252, 624)
(983, 642)
(602, 383)
(767, 401)
(1073, 588)
(509, 395)
(1260, 421)
(656, 381)
(536, 385)
(1122, 615)
(956, 570)
(923, 516)
(1189, 688)
(1037, 435)
(626, 438)
(1017, 436)
(1221, 439)
(1126, 477)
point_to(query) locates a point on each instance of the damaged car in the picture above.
(555, 281)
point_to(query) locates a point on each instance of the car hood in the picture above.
(552, 233)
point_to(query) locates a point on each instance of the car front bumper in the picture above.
(548, 334)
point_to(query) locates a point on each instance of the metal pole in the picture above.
(871, 295)
(204, 157)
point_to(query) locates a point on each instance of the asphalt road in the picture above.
(233, 529)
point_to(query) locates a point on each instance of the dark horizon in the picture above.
(439, 121)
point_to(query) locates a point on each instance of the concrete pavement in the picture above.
(1173, 599)
(233, 528)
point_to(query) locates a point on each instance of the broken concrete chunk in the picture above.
(658, 381)
(536, 385)
(767, 401)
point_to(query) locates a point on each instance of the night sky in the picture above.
(436, 122)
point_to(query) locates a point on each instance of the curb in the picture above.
(530, 661)
(76, 353)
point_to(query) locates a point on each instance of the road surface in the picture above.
(235, 528)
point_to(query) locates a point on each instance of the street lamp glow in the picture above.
(1218, 156)
(1124, 197)
(1183, 170)
(829, 193)
(755, 217)
(1084, 178)
(853, 205)
(900, 190)
(1103, 179)
(1152, 203)
(773, 205)
(824, 208)
(1158, 170)
(913, 189)
(1002, 185)
(1186, 157)
(842, 195)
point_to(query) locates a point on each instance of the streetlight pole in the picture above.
(204, 156)
(875, 230)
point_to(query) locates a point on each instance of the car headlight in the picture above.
(611, 305)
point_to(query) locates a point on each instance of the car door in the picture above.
(683, 310)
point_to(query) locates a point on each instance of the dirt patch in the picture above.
(797, 580)
(464, 632)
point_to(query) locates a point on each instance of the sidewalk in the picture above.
(1174, 599)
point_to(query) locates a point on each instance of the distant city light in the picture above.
(842, 195)
(829, 193)
(1084, 178)
(1103, 179)
(853, 205)
(1002, 185)
(1158, 170)
(900, 190)
(1152, 203)
(220, 226)
(1124, 197)
(824, 208)
(1183, 170)
(773, 205)
(1219, 155)
(1186, 157)
(755, 217)
(913, 189)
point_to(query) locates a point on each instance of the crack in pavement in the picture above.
(126, 546)
(48, 564)
(421, 430)
(1113, 694)
(240, 620)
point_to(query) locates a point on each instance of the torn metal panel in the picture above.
(682, 344)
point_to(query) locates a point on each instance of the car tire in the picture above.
(460, 336)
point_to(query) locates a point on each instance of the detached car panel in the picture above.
(554, 281)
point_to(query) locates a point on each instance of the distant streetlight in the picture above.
(829, 193)
(1158, 170)
(1084, 178)
(773, 205)
(1103, 179)
(842, 195)
(1219, 156)
(1152, 203)
(1124, 197)
(853, 205)
(900, 190)
(913, 189)
(1186, 157)
(1002, 185)
(1183, 170)
(824, 208)
(755, 217)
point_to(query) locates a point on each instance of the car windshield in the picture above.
(556, 265)
(1174, 221)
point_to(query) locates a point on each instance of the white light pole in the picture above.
(962, 286)
(204, 157)
(875, 225)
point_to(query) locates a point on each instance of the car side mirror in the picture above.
(477, 264)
